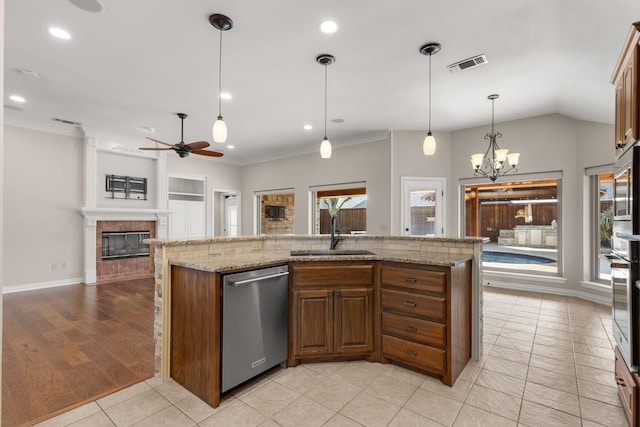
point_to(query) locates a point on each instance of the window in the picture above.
(275, 213)
(349, 204)
(602, 223)
(521, 219)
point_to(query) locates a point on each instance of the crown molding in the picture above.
(50, 127)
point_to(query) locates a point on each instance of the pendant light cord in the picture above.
(220, 78)
(325, 101)
(429, 93)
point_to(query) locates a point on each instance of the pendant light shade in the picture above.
(325, 147)
(220, 130)
(429, 143)
(222, 23)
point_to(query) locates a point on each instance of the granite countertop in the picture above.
(314, 237)
(227, 263)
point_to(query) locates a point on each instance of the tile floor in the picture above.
(547, 361)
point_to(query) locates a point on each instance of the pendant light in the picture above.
(325, 147)
(495, 162)
(222, 23)
(429, 143)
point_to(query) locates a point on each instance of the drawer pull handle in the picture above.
(409, 304)
(411, 352)
(410, 279)
(410, 328)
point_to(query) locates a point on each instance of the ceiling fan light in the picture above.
(325, 149)
(429, 145)
(513, 159)
(220, 131)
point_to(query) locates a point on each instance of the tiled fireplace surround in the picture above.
(127, 268)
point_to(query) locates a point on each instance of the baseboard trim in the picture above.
(604, 300)
(41, 285)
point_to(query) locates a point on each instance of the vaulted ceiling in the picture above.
(137, 63)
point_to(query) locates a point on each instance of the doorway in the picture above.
(422, 206)
(225, 206)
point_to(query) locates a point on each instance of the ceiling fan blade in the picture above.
(159, 142)
(154, 148)
(199, 145)
(208, 153)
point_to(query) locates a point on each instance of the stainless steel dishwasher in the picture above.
(255, 314)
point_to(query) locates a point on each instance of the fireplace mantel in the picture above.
(124, 214)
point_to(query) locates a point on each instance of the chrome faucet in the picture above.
(335, 232)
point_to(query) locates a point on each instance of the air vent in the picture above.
(67, 122)
(468, 63)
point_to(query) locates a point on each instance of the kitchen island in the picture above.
(425, 284)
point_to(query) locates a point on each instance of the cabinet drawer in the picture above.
(627, 388)
(412, 329)
(414, 305)
(333, 275)
(418, 355)
(415, 279)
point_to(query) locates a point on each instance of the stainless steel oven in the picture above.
(623, 259)
(624, 316)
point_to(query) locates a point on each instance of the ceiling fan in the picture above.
(183, 149)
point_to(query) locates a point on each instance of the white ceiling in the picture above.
(139, 62)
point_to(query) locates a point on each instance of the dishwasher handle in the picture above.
(258, 279)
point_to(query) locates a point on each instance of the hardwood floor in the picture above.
(68, 345)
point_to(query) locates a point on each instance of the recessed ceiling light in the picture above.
(88, 5)
(17, 98)
(12, 107)
(225, 95)
(231, 147)
(308, 127)
(337, 120)
(148, 129)
(59, 33)
(328, 27)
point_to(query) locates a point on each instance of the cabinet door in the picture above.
(178, 219)
(196, 220)
(630, 113)
(313, 322)
(353, 321)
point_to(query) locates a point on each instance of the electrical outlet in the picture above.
(54, 266)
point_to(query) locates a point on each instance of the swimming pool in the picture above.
(510, 258)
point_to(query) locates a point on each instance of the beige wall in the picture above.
(407, 160)
(43, 190)
(549, 143)
(218, 176)
(546, 143)
(365, 162)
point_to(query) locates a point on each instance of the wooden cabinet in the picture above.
(426, 317)
(195, 332)
(625, 78)
(627, 389)
(332, 310)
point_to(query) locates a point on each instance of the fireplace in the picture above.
(124, 244)
(120, 251)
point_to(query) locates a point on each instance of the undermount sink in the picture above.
(334, 252)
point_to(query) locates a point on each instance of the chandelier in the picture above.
(496, 161)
